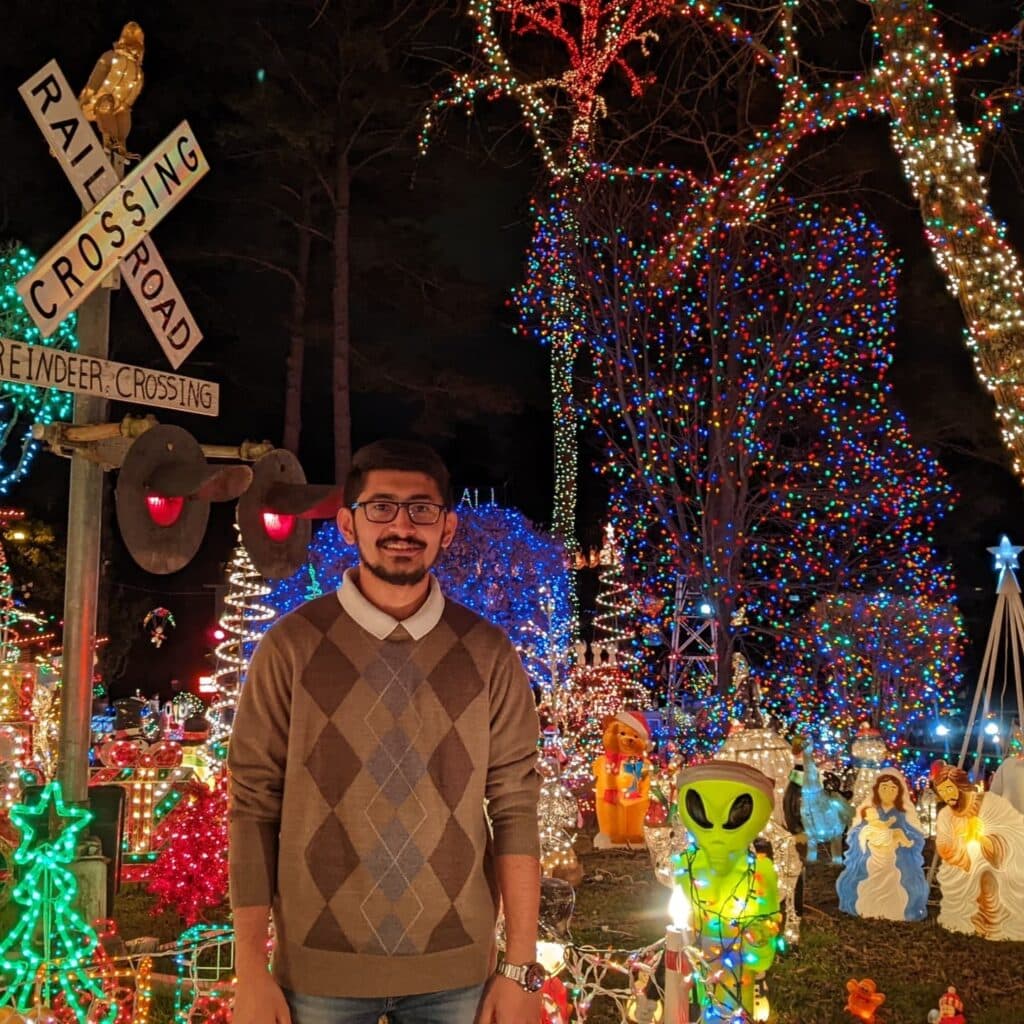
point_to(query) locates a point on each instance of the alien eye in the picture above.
(740, 812)
(695, 808)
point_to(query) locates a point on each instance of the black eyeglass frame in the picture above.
(407, 505)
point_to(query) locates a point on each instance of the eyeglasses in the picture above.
(421, 513)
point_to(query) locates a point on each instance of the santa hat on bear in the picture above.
(636, 721)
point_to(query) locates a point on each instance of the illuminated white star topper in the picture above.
(1006, 556)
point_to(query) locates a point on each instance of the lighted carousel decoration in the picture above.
(869, 754)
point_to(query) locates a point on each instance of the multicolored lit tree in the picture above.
(913, 82)
(562, 112)
(872, 657)
(751, 443)
(737, 56)
(499, 565)
(21, 405)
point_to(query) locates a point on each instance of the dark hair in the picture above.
(392, 453)
(898, 802)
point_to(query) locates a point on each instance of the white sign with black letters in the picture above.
(62, 280)
(56, 110)
(46, 367)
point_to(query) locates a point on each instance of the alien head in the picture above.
(724, 804)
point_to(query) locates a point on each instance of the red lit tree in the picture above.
(190, 876)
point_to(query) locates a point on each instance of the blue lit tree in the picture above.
(499, 565)
(21, 405)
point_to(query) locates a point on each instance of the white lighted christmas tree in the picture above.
(612, 623)
(244, 614)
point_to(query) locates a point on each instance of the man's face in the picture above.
(948, 792)
(400, 552)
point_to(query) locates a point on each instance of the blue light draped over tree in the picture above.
(499, 565)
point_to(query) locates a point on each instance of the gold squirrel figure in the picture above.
(113, 87)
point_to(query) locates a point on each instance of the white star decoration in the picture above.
(1006, 556)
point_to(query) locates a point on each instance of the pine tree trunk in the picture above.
(342, 399)
(297, 329)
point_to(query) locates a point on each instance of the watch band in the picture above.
(514, 972)
(530, 977)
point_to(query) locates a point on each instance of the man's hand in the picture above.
(505, 1002)
(259, 1000)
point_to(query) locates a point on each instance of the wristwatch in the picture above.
(530, 976)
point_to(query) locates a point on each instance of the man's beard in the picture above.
(396, 577)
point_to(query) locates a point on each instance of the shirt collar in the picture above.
(381, 625)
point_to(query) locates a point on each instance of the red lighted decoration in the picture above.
(164, 510)
(279, 527)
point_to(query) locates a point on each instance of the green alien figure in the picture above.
(733, 891)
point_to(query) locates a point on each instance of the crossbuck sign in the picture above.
(114, 231)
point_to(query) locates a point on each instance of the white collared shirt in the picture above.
(381, 625)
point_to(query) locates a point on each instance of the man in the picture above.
(980, 838)
(375, 726)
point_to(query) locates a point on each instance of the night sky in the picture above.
(437, 244)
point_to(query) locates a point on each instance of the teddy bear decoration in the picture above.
(622, 780)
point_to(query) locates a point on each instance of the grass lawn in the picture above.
(620, 905)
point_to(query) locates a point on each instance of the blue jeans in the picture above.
(452, 1006)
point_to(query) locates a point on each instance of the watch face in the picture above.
(535, 978)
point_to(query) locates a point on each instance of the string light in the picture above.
(191, 875)
(594, 36)
(613, 623)
(204, 992)
(50, 936)
(25, 401)
(244, 620)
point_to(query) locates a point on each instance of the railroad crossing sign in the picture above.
(121, 215)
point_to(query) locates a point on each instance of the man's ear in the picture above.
(451, 522)
(346, 525)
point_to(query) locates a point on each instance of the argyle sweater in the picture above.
(372, 783)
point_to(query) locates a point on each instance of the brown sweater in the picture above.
(360, 768)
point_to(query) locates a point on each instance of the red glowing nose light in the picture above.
(279, 527)
(162, 510)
